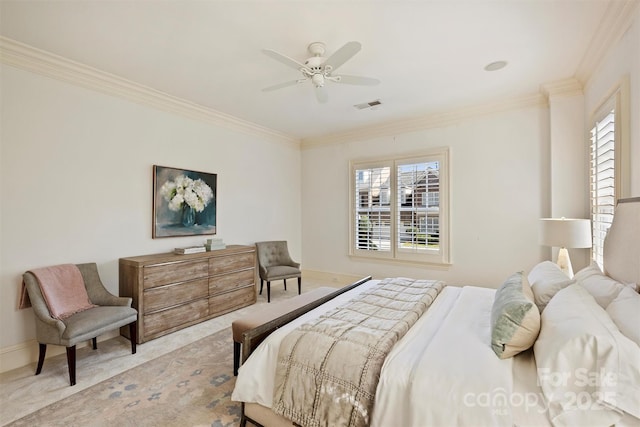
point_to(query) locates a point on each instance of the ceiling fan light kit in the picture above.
(319, 69)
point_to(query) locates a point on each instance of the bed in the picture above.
(572, 359)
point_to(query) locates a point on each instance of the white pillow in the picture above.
(546, 280)
(588, 371)
(603, 288)
(625, 313)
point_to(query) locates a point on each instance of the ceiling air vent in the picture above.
(369, 104)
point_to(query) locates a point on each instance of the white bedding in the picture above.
(442, 372)
(454, 372)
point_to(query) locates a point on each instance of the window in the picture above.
(400, 208)
(608, 165)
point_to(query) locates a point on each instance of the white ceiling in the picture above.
(429, 55)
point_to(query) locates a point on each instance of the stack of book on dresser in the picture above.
(189, 250)
(215, 243)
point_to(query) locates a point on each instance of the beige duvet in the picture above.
(328, 369)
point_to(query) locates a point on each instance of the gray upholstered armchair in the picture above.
(111, 312)
(275, 263)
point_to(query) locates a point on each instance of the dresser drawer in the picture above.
(231, 300)
(224, 264)
(166, 296)
(171, 272)
(231, 281)
(172, 317)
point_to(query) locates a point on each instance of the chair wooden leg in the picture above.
(268, 291)
(285, 284)
(71, 361)
(299, 285)
(243, 418)
(41, 354)
(236, 358)
(133, 333)
(261, 283)
(94, 343)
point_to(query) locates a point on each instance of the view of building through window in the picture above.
(373, 209)
(418, 206)
(415, 225)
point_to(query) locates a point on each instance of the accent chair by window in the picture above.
(275, 263)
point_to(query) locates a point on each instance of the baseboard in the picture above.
(26, 353)
(331, 279)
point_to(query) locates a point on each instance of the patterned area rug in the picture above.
(190, 386)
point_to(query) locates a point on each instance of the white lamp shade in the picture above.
(565, 232)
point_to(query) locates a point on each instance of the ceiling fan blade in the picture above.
(321, 94)
(284, 59)
(281, 85)
(342, 55)
(355, 80)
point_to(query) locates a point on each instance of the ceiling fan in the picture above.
(319, 69)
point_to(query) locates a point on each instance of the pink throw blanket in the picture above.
(63, 289)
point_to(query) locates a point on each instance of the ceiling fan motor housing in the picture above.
(315, 63)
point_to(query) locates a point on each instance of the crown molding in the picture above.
(50, 65)
(617, 20)
(566, 87)
(428, 121)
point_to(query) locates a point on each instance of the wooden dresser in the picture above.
(173, 291)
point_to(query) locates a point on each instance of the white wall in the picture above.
(499, 178)
(76, 184)
(569, 157)
(623, 59)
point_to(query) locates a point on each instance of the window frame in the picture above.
(618, 101)
(440, 256)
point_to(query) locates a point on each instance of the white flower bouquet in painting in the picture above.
(188, 195)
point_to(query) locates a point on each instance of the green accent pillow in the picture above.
(515, 319)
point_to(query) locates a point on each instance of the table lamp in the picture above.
(565, 233)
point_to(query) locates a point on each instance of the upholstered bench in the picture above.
(266, 314)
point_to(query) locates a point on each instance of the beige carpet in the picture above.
(190, 386)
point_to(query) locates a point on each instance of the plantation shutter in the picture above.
(373, 209)
(417, 206)
(602, 181)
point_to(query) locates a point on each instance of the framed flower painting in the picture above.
(184, 202)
